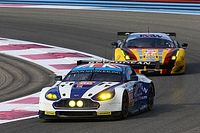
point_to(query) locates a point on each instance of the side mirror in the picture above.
(58, 78)
(184, 45)
(134, 77)
(115, 44)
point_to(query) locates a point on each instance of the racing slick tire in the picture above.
(150, 101)
(125, 102)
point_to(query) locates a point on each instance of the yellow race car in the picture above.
(160, 47)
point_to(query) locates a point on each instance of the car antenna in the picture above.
(148, 29)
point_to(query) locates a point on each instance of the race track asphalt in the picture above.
(177, 102)
(20, 78)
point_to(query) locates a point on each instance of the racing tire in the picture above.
(125, 103)
(150, 102)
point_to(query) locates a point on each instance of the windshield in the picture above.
(93, 76)
(149, 43)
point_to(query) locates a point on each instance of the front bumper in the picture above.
(76, 114)
(91, 109)
(163, 70)
(89, 105)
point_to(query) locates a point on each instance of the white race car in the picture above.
(108, 90)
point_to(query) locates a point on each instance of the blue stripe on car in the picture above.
(78, 92)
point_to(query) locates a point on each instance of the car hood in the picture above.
(149, 54)
(83, 89)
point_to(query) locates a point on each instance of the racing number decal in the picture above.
(150, 53)
(83, 83)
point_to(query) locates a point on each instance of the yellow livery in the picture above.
(159, 47)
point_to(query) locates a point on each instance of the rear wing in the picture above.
(127, 33)
(124, 33)
(170, 33)
(133, 64)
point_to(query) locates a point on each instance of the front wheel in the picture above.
(125, 102)
(150, 101)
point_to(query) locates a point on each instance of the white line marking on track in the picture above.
(27, 107)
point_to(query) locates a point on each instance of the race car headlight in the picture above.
(127, 57)
(72, 103)
(79, 103)
(52, 94)
(173, 57)
(105, 95)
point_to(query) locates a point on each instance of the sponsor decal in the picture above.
(50, 113)
(143, 63)
(104, 113)
(84, 83)
(150, 36)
